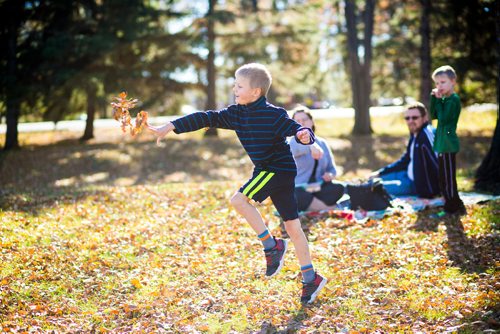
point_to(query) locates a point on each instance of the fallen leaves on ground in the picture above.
(177, 258)
(119, 235)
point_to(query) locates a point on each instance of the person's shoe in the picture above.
(275, 257)
(311, 290)
(462, 211)
(438, 215)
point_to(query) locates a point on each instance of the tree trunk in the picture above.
(211, 71)
(12, 103)
(488, 175)
(12, 120)
(361, 82)
(425, 53)
(91, 106)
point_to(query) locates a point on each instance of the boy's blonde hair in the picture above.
(446, 70)
(258, 76)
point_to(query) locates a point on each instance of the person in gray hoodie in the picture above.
(315, 185)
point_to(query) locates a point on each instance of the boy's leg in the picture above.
(284, 201)
(274, 249)
(242, 204)
(297, 236)
(312, 283)
(286, 204)
(442, 178)
(453, 203)
(258, 188)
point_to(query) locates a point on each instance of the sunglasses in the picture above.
(413, 118)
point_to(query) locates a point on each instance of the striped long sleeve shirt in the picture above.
(261, 127)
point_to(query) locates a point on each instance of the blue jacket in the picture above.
(261, 127)
(425, 163)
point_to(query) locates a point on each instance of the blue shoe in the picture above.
(275, 257)
(311, 290)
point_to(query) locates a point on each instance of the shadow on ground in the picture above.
(53, 164)
(35, 202)
(470, 254)
(72, 163)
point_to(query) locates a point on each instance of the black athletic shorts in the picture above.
(279, 186)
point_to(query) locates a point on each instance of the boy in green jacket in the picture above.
(445, 107)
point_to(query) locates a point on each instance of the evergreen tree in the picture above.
(13, 16)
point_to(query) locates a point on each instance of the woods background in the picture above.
(61, 59)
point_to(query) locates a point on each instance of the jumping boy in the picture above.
(262, 129)
(445, 107)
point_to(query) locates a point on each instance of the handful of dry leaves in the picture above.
(121, 113)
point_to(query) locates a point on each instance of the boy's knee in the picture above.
(238, 200)
(293, 227)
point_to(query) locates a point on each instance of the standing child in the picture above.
(262, 129)
(445, 107)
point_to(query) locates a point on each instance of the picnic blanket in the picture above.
(408, 204)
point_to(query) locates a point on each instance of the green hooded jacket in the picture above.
(446, 110)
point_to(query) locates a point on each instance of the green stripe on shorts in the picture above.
(247, 189)
(262, 184)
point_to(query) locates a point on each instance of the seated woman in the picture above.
(314, 186)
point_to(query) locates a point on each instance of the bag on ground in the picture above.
(369, 196)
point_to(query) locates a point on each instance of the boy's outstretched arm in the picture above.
(161, 131)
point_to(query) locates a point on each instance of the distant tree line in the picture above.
(59, 58)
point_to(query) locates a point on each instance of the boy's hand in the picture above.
(436, 93)
(304, 136)
(161, 131)
(316, 151)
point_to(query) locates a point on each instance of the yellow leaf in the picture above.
(135, 282)
(204, 328)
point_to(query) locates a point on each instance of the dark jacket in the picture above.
(425, 163)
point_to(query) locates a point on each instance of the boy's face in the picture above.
(243, 92)
(444, 84)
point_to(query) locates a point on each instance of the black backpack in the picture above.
(369, 196)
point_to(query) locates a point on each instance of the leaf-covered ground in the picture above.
(123, 236)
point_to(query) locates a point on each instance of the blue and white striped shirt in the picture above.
(261, 127)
